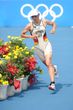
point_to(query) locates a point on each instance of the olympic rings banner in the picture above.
(43, 14)
(17, 12)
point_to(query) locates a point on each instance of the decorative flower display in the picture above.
(17, 61)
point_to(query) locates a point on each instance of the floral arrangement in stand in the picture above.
(17, 61)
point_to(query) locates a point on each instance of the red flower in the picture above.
(31, 63)
(16, 84)
(12, 69)
(1, 50)
(32, 79)
(4, 49)
(10, 81)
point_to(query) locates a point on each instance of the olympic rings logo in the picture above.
(45, 13)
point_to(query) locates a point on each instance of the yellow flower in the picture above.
(1, 62)
(10, 42)
(20, 55)
(9, 36)
(7, 48)
(9, 54)
(1, 81)
(12, 37)
(15, 57)
(32, 48)
(17, 47)
(27, 53)
(20, 39)
(0, 75)
(6, 43)
(5, 83)
(7, 57)
(15, 52)
(4, 55)
(21, 48)
(25, 47)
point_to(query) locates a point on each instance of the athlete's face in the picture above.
(35, 18)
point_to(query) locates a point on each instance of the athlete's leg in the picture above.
(50, 66)
(40, 54)
(48, 61)
(46, 58)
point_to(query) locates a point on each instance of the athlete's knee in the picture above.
(48, 64)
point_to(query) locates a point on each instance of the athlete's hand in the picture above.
(52, 31)
(26, 36)
(22, 36)
(34, 36)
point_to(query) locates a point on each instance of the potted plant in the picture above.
(19, 67)
(3, 82)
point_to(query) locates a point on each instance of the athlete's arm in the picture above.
(53, 24)
(25, 30)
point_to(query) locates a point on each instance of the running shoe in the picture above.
(52, 86)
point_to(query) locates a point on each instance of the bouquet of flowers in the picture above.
(17, 61)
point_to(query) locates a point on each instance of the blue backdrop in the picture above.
(10, 15)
